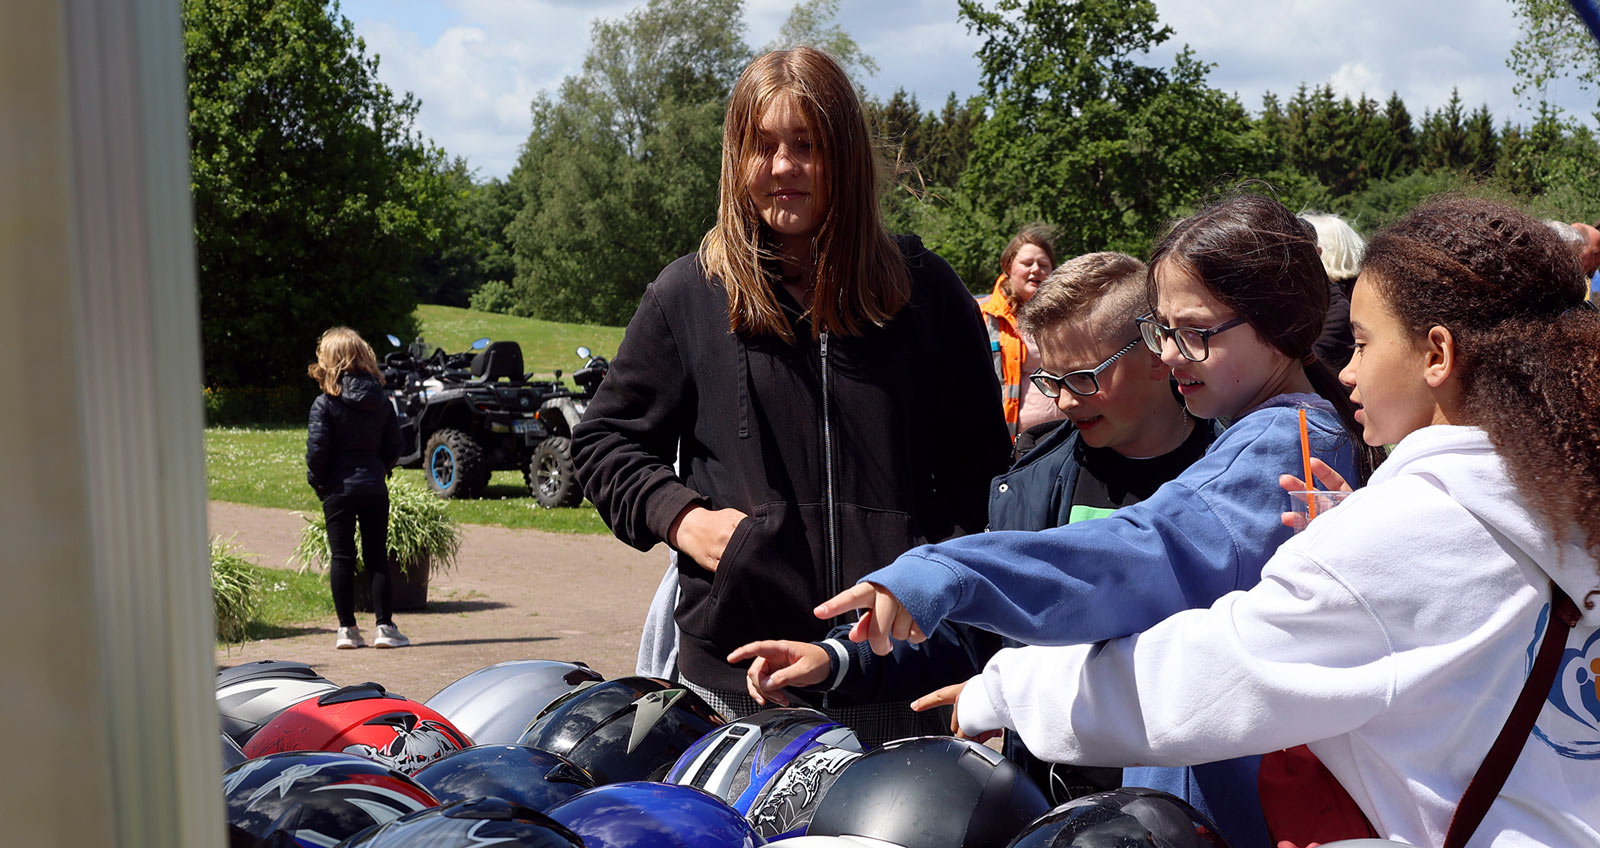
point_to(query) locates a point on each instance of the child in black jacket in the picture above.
(351, 444)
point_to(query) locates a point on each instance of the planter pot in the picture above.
(409, 585)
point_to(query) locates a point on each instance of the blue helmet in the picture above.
(1133, 816)
(316, 797)
(469, 824)
(654, 815)
(520, 774)
(735, 762)
(494, 705)
(930, 792)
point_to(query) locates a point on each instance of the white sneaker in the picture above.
(349, 637)
(390, 636)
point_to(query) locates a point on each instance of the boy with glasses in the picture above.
(1124, 435)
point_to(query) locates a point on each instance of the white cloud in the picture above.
(477, 64)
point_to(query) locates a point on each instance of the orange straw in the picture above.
(1305, 459)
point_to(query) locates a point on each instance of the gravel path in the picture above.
(514, 594)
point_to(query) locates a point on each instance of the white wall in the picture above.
(105, 620)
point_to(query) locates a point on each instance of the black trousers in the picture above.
(343, 513)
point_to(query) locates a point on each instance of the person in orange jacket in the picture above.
(1027, 260)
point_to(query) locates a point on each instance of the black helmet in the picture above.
(654, 815)
(469, 824)
(1130, 816)
(495, 705)
(520, 774)
(737, 760)
(316, 797)
(252, 694)
(232, 754)
(631, 728)
(930, 792)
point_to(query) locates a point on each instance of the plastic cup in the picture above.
(1325, 500)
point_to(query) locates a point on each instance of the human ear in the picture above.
(1439, 356)
(1155, 368)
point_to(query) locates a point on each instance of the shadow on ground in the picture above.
(464, 605)
(505, 641)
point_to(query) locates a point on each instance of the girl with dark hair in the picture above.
(1238, 295)
(822, 385)
(1395, 634)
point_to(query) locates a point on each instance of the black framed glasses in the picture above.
(1085, 382)
(1194, 344)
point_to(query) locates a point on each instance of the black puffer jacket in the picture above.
(898, 450)
(353, 439)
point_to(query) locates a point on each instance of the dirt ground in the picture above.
(514, 594)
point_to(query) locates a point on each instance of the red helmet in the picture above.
(364, 720)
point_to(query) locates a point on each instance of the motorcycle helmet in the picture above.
(1131, 816)
(522, 775)
(494, 705)
(315, 797)
(631, 728)
(930, 792)
(737, 760)
(364, 720)
(232, 754)
(654, 815)
(252, 694)
(786, 804)
(469, 824)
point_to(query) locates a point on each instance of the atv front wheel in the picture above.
(453, 465)
(551, 478)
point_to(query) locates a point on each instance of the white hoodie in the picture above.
(1392, 637)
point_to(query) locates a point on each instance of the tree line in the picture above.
(317, 203)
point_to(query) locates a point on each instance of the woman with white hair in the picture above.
(1340, 247)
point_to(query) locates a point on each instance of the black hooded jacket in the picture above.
(897, 452)
(353, 439)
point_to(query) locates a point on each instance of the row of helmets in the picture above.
(545, 753)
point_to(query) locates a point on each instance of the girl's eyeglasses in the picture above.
(1194, 344)
(1086, 382)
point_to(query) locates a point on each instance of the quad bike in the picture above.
(466, 415)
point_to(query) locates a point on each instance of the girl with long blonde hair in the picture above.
(352, 442)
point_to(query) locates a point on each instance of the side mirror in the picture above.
(583, 351)
(480, 344)
(558, 373)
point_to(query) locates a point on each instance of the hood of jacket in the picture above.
(361, 391)
(997, 302)
(1462, 462)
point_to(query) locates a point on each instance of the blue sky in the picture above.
(476, 64)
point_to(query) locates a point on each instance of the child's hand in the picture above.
(779, 664)
(884, 618)
(948, 696)
(1322, 474)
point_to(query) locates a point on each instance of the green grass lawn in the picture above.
(546, 345)
(267, 467)
(289, 601)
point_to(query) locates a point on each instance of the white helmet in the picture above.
(495, 705)
(252, 694)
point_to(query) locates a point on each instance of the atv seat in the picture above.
(500, 360)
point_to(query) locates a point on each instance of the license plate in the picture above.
(525, 425)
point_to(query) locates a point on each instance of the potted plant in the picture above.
(423, 538)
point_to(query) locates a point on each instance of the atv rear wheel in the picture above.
(453, 465)
(551, 478)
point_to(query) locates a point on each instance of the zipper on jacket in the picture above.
(834, 577)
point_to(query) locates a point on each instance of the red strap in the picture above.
(1485, 785)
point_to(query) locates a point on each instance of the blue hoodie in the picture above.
(1202, 535)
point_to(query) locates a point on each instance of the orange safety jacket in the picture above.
(1008, 350)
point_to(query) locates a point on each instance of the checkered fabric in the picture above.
(874, 724)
